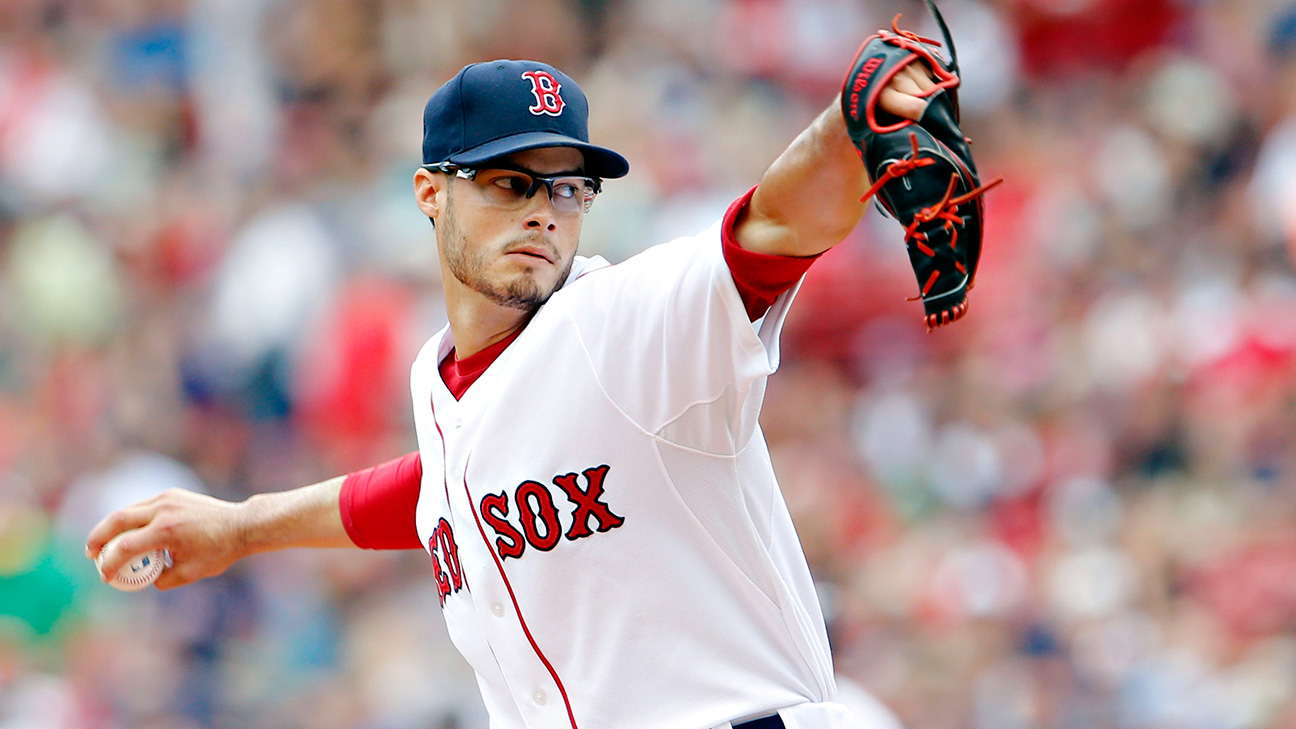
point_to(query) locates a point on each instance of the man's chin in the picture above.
(525, 294)
(528, 289)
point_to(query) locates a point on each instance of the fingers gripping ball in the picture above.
(140, 572)
(922, 172)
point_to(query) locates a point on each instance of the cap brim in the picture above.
(600, 162)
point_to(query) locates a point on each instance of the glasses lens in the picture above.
(510, 189)
(504, 188)
(571, 194)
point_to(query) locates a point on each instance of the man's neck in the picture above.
(478, 322)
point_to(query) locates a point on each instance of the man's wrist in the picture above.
(304, 517)
(249, 536)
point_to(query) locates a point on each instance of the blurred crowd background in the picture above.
(1076, 509)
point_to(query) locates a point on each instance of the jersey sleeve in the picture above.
(378, 504)
(759, 277)
(672, 340)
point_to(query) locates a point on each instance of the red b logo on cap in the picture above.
(546, 88)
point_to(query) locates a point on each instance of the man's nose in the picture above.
(540, 211)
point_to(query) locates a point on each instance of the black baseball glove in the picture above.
(922, 172)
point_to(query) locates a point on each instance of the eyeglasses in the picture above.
(510, 188)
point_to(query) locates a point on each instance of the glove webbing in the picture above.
(945, 210)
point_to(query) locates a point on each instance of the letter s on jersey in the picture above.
(495, 510)
(539, 515)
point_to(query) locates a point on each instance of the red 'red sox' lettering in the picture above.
(543, 511)
(538, 514)
(450, 579)
(587, 503)
(495, 510)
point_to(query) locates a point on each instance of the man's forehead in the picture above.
(548, 159)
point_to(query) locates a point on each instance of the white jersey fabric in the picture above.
(602, 516)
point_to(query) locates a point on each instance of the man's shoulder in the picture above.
(677, 254)
(583, 266)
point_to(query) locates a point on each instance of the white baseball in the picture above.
(138, 573)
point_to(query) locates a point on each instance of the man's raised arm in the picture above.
(897, 121)
(809, 199)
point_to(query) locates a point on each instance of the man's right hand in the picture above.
(206, 535)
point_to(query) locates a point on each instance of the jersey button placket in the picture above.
(517, 661)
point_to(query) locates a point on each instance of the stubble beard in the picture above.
(468, 265)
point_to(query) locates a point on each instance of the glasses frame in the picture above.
(470, 174)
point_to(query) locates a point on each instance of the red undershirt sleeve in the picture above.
(760, 277)
(378, 504)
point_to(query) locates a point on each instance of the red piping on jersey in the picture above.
(445, 483)
(444, 460)
(588, 271)
(512, 597)
(500, 567)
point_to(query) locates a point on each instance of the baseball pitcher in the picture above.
(608, 539)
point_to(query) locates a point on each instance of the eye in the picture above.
(566, 190)
(513, 183)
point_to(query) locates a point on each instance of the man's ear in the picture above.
(427, 192)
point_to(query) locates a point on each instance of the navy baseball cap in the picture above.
(496, 108)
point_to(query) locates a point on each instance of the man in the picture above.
(607, 536)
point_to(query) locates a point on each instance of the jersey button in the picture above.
(540, 697)
(498, 609)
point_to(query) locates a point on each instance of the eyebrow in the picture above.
(536, 173)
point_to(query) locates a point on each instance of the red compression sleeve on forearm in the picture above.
(378, 504)
(760, 277)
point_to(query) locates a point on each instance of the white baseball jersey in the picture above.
(609, 540)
